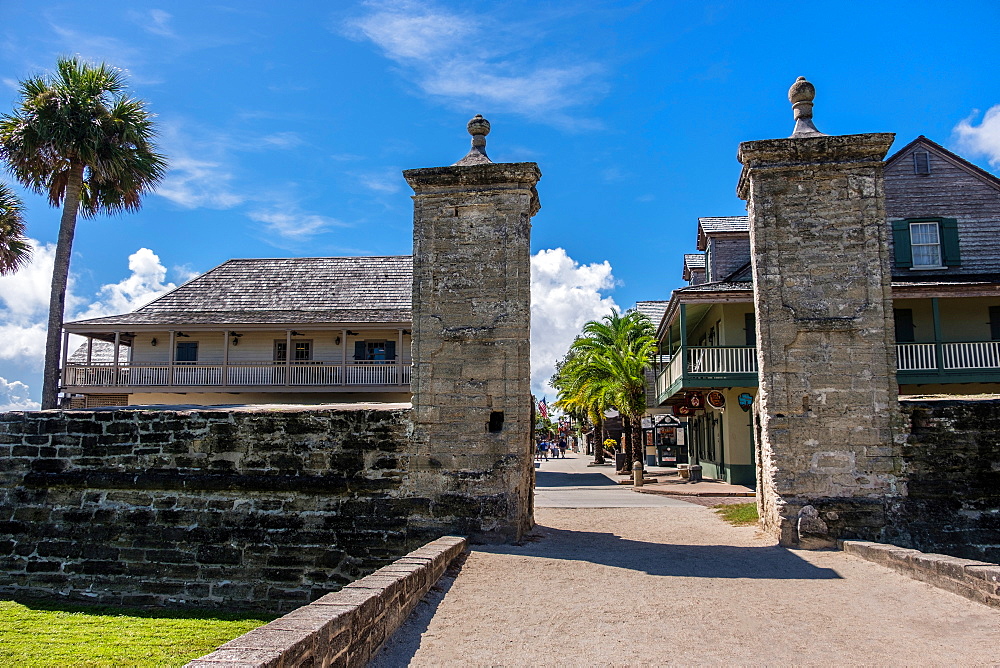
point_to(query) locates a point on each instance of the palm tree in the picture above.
(607, 365)
(14, 248)
(78, 138)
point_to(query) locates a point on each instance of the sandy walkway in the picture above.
(676, 585)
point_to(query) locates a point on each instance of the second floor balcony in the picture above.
(701, 367)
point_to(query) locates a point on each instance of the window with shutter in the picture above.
(921, 162)
(187, 351)
(926, 243)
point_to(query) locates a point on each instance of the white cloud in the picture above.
(564, 296)
(24, 301)
(295, 226)
(282, 140)
(15, 396)
(982, 139)
(143, 285)
(475, 60)
(158, 23)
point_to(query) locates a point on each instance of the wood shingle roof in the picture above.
(284, 290)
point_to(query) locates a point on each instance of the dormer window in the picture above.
(921, 162)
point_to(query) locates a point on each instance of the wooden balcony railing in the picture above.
(234, 374)
(954, 356)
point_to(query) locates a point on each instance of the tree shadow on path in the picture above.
(562, 479)
(674, 560)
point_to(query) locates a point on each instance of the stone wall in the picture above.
(259, 509)
(951, 465)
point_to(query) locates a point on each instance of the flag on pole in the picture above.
(543, 408)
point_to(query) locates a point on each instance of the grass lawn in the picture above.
(54, 634)
(738, 514)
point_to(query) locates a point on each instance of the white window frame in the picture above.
(279, 344)
(914, 246)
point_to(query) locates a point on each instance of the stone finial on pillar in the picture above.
(478, 127)
(801, 95)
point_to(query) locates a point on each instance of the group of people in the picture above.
(546, 448)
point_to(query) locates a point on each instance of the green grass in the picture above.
(52, 634)
(738, 514)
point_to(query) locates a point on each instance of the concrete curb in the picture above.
(975, 580)
(347, 627)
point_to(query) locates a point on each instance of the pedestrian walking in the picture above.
(562, 448)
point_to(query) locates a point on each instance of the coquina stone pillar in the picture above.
(825, 345)
(471, 325)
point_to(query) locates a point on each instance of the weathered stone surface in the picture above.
(302, 506)
(827, 400)
(471, 318)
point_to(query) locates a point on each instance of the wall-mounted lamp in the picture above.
(236, 341)
(336, 341)
(153, 342)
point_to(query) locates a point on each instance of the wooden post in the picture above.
(90, 350)
(288, 355)
(938, 348)
(399, 357)
(170, 358)
(65, 357)
(118, 341)
(343, 357)
(225, 358)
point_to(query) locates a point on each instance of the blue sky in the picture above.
(287, 127)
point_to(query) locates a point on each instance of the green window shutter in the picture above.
(390, 350)
(949, 243)
(359, 351)
(901, 243)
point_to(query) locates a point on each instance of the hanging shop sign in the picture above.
(745, 400)
(695, 401)
(682, 410)
(716, 400)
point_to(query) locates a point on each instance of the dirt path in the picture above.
(644, 586)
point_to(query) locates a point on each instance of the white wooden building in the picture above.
(288, 330)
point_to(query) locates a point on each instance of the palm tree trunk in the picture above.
(60, 277)
(599, 445)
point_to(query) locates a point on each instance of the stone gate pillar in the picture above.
(825, 345)
(471, 324)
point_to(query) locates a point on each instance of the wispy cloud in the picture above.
(295, 226)
(980, 140)
(282, 140)
(472, 59)
(387, 180)
(196, 184)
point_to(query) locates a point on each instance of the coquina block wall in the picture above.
(950, 463)
(253, 509)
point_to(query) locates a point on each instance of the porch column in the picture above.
(938, 347)
(288, 354)
(683, 336)
(170, 358)
(343, 356)
(399, 357)
(225, 358)
(118, 342)
(65, 357)
(90, 350)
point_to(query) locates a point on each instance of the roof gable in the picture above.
(942, 152)
(714, 225)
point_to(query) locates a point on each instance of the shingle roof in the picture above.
(102, 351)
(719, 286)
(653, 310)
(694, 260)
(285, 290)
(724, 224)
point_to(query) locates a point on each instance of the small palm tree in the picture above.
(14, 249)
(606, 367)
(78, 138)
